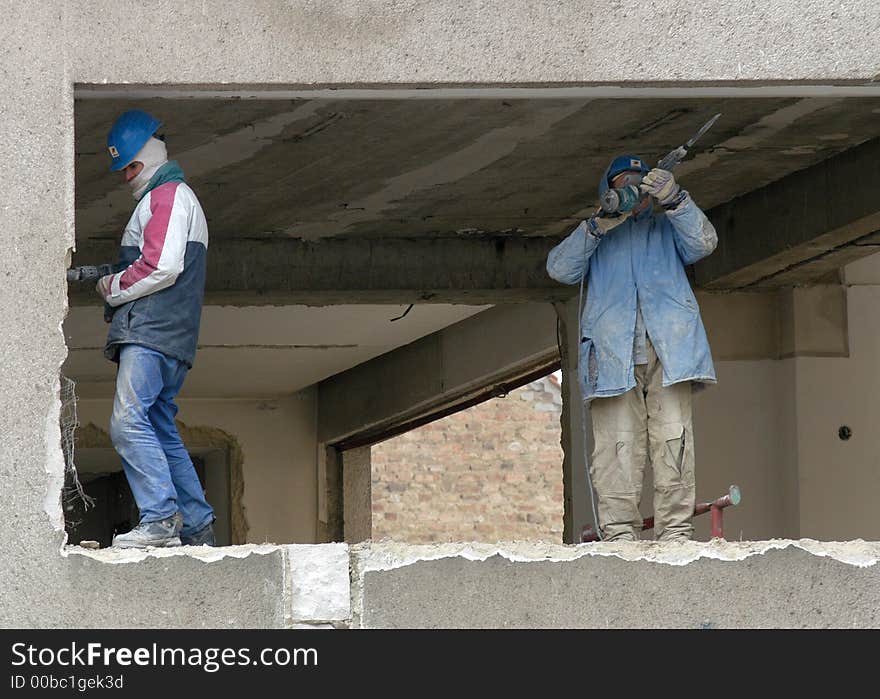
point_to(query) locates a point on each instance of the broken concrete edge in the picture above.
(337, 558)
(324, 583)
(316, 581)
(389, 555)
(206, 554)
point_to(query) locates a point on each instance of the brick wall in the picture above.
(489, 473)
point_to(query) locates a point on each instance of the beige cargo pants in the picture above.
(626, 428)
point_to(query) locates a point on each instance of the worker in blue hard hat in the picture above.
(156, 296)
(642, 346)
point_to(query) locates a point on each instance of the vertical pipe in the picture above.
(717, 522)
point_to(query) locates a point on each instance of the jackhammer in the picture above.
(623, 199)
(88, 273)
(91, 273)
(716, 507)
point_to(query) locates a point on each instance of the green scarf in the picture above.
(169, 172)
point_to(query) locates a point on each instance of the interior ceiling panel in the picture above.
(266, 351)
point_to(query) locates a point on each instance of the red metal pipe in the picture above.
(716, 507)
(717, 523)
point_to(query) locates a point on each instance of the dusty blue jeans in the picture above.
(158, 468)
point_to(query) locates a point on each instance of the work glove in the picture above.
(661, 185)
(598, 225)
(103, 286)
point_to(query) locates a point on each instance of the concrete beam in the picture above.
(449, 367)
(799, 228)
(466, 269)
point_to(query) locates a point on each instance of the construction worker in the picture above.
(155, 300)
(642, 347)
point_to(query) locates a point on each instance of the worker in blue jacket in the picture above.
(642, 347)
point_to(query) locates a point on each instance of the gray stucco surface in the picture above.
(173, 591)
(178, 592)
(35, 218)
(420, 41)
(45, 48)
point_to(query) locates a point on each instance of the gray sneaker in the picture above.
(202, 537)
(165, 532)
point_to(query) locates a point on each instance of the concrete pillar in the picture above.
(357, 495)
(577, 441)
(330, 526)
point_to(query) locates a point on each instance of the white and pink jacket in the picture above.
(159, 291)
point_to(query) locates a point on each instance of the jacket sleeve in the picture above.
(570, 259)
(694, 234)
(162, 251)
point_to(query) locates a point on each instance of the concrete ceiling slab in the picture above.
(314, 168)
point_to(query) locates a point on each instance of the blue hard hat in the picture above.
(622, 163)
(128, 135)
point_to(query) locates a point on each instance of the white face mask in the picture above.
(153, 155)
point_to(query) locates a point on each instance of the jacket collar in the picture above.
(644, 214)
(169, 172)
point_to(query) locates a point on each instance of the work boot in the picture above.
(200, 537)
(165, 532)
(621, 536)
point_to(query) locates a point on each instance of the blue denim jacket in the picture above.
(642, 261)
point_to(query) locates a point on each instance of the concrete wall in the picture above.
(773, 425)
(839, 479)
(743, 432)
(277, 439)
(422, 41)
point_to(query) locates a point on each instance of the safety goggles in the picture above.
(625, 179)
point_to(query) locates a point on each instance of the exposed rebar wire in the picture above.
(69, 424)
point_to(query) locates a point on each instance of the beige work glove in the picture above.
(597, 225)
(661, 185)
(103, 286)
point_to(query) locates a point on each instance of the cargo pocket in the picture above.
(675, 448)
(677, 466)
(589, 367)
